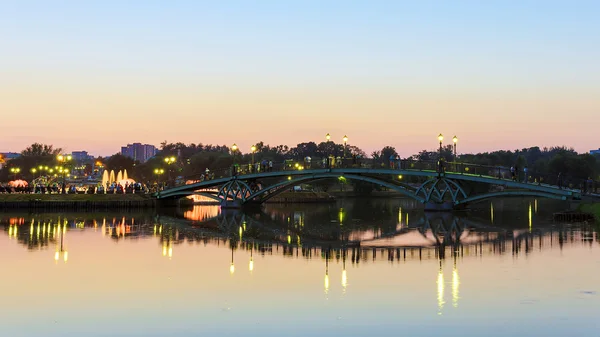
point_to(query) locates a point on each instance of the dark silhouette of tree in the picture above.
(41, 150)
(118, 162)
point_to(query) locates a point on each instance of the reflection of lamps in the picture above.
(326, 272)
(231, 267)
(251, 263)
(530, 218)
(344, 276)
(440, 290)
(455, 286)
(167, 249)
(61, 250)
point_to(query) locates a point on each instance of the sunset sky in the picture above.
(96, 75)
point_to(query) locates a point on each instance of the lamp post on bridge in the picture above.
(345, 139)
(455, 140)
(327, 138)
(440, 162)
(252, 149)
(234, 148)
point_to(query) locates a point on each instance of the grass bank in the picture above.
(593, 209)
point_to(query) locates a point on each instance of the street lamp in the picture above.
(345, 139)
(15, 171)
(455, 140)
(33, 171)
(328, 137)
(158, 173)
(234, 148)
(440, 138)
(253, 149)
(64, 159)
(169, 161)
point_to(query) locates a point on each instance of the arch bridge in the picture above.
(451, 186)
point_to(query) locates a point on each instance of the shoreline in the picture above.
(76, 202)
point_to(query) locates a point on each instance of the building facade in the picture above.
(81, 156)
(7, 156)
(139, 152)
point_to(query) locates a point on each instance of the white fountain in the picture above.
(104, 178)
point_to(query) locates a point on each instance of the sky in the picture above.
(96, 75)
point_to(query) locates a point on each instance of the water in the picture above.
(297, 271)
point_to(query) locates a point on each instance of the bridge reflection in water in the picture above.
(414, 236)
(342, 241)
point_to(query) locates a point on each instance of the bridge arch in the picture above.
(275, 189)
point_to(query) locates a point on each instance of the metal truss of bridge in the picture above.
(437, 191)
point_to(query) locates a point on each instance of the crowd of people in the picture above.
(56, 188)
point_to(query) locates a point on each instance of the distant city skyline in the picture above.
(499, 75)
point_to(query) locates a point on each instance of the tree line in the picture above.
(193, 159)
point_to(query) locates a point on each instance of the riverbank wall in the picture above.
(78, 206)
(75, 202)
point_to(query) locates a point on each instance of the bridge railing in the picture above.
(496, 172)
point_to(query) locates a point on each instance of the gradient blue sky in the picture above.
(95, 75)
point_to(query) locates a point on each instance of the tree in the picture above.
(304, 150)
(388, 152)
(119, 162)
(41, 150)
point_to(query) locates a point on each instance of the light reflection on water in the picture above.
(347, 269)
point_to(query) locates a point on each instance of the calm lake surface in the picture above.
(353, 268)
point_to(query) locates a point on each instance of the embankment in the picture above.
(75, 202)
